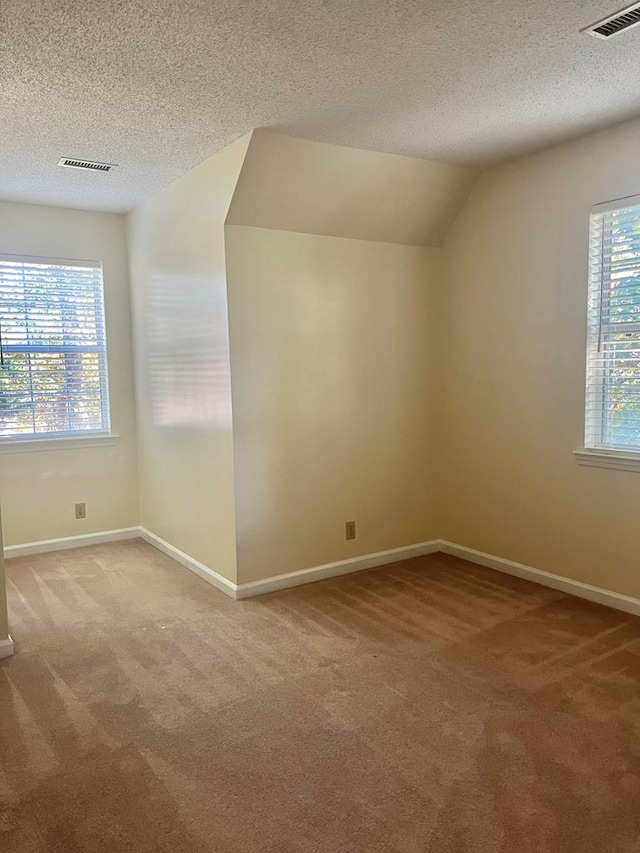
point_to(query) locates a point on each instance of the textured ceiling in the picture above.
(158, 86)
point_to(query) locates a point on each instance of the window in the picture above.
(53, 357)
(613, 351)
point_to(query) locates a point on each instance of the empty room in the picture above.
(319, 427)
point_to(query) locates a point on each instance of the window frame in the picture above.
(67, 439)
(597, 452)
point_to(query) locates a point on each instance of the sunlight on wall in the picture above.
(189, 376)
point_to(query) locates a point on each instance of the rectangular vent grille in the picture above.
(85, 164)
(616, 23)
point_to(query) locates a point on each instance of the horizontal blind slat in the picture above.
(612, 416)
(54, 378)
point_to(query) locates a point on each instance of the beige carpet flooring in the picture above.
(427, 706)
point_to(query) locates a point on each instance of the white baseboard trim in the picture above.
(204, 572)
(67, 542)
(332, 570)
(246, 590)
(6, 647)
(582, 590)
(290, 579)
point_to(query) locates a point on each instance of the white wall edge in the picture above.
(573, 587)
(63, 544)
(332, 570)
(209, 575)
(6, 647)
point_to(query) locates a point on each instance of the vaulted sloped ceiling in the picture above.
(292, 184)
(157, 86)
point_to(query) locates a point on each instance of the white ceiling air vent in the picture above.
(85, 164)
(616, 23)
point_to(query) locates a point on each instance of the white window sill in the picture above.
(62, 442)
(620, 460)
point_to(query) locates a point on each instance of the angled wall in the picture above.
(286, 362)
(333, 280)
(179, 299)
(291, 184)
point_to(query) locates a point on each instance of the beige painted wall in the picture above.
(297, 185)
(38, 489)
(514, 315)
(4, 622)
(178, 287)
(333, 359)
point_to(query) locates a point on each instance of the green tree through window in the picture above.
(613, 363)
(53, 376)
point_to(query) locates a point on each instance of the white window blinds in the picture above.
(53, 360)
(613, 349)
